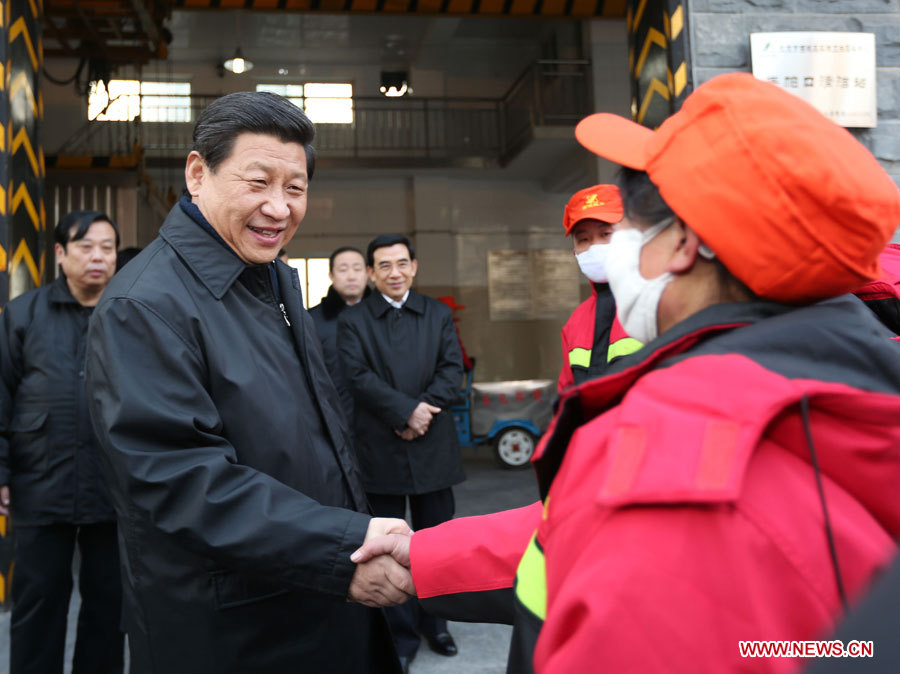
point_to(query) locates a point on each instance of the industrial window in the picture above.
(324, 103)
(314, 279)
(124, 100)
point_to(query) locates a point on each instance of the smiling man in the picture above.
(232, 470)
(402, 359)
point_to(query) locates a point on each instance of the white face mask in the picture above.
(592, 262)
(637, 298)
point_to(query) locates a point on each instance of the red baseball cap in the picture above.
(600, 202)
(791, 203)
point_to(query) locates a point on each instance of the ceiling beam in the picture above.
(147, 22)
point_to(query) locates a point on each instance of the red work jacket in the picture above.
(579, 339)
(681, 513)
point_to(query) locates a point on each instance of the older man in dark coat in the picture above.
(402, 359)
(231, 468)
(50, 477)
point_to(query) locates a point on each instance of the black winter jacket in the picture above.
(395, 359)
(48, 452)
(232, 471)
(325, 315)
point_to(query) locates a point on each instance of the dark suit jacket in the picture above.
(394, 359)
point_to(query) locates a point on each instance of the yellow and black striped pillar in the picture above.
(658, 58)
(25, 157)
(23, 223)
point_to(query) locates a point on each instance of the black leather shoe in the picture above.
(404, 665)
(442, 644)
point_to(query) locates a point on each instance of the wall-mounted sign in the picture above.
(532, 285)
(834, 72)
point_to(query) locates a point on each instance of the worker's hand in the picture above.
(421, 417)
(395, 545)
(407, 434)
(4, 500)
(379, 526)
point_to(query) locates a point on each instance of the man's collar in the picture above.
(395, 303)
(215, 264)
(379, 305)
(60, 293)
(193, 212)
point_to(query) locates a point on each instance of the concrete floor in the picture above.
(482, 648)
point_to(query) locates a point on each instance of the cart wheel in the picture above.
(514, 447)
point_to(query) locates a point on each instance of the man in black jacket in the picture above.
(402, 358)
(232, 472)
(50, 477)
(347, 271)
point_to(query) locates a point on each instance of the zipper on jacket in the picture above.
(284, 313)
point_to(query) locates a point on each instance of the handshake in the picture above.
(382, 576)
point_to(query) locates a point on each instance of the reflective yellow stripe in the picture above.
(531, 580)
(623, 347)
(580, 357)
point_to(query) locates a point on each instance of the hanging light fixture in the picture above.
(395, 83)
(237, 63)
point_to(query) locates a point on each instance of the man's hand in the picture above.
(395, 545)
(382, 581)
(407, 434)
(421, 417)
(4, 500)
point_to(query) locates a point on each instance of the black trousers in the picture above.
(42, 587)
(409, 620)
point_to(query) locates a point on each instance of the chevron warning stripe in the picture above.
(21, 140)
(654, 37)
(657, 58)
(656, 88)
(21, 83)
(23, 254)
(21, 196)
(20, 28)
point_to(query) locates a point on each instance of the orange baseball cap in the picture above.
(600, 202)
(791, 203)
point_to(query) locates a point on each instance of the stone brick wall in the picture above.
(720, 42)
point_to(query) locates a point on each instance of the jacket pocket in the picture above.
(28, 441)
(26, 422)
(234, 589)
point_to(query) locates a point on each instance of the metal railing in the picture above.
(547, 93)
